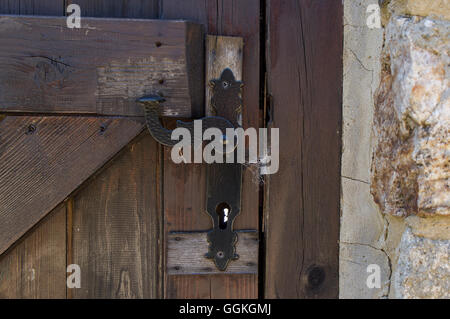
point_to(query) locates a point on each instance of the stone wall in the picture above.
(396, 150)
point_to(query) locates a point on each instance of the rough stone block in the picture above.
(423, 269)
(411, 166)
(439, 9)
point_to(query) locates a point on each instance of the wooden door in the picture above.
(98, 191)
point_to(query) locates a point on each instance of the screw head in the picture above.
(31, 129)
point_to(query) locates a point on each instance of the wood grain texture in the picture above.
(224, 181)
(100, 68)
(32, 7)
(189, 287)
(116, 227)
(222, 53)
(36, 266)
(44, 159)
(239, 286)
(10, 6)
(240, 19)
(142, 9)
(142, 272)
(186, 254)
(302, 208)
(213, 287)
(185, 211)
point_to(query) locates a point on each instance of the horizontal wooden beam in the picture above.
(100, 68)
(44, 159)
(186, 254)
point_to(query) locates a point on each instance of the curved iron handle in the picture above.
(223, 180)
(163, 135)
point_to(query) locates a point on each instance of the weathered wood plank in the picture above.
(32, 7)
(44, 159)
(212, 287)
(188, 287)
(9, 6)
(243, 286)
(305, 76)
(142, 272)
(116, 228)
(36, 266)
(186, 254)
(142, 9)
(187, 212)
(101, 68)
(221, 53)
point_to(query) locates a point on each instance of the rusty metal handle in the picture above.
(163, 135)
(224, 180)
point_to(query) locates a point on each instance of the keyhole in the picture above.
(223, 210)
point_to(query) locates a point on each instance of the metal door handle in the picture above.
(224, 180)
(163, 135)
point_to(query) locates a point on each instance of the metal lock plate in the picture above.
(224, 180)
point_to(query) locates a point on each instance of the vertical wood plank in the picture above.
(116, 227)
(35, 267)
(69, 240)
(142, 9)
(222, 52)
(10, 6)
(305, 76)
(229, 18)
(32, 7)
(42, 7)
(213, 287)
(189, 287)
(234, 286)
